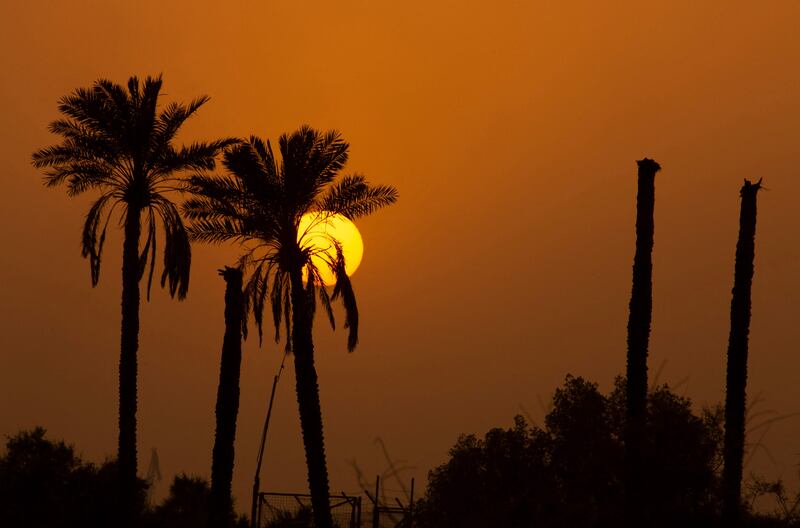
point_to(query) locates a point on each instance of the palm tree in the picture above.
(736, 381)
(640, 315)
(118, 142)
(260, 203)
(220, 500)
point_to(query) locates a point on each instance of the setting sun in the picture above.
(319, 230)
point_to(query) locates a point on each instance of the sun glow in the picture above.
(319, 230)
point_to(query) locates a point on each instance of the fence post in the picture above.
(411, 506)
(375, 512)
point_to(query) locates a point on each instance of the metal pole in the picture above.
(375, 512)
(411, 506)
(257, 480)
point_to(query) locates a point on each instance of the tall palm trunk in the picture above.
(308, 402)
(735, 397)
(220, 501)
(126, 449)
(639, 318)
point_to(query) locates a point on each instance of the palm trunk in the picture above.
(735, 397)
(126, 451)
(220, 501)
(308, 403)
(639, 318)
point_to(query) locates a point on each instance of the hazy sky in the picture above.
(511, 130)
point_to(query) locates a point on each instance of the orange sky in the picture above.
(510, 129)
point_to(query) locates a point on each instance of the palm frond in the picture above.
(177, 250)
(212, 197)
(84, 142)
(324, 297)
(194, 157)
(252, 162)
(311, 160)
(201, 208)
(344, 289)
(251, 290)
(144, 98)
(311, 293)
(149, 250)
(170, 120)
(93, 236)
(216, 230)
(52, 156)
(95, 110)
(354, 197)
(264, 152)
(276, 302)
(287, 316)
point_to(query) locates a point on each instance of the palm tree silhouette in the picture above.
(227, 409)
(736, 379)
(640, 315)
(118, 142)
(260, 203)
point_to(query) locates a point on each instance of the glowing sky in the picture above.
(510, 130)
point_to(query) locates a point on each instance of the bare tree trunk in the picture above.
(221, 513)
(736, 382)
(128, 371)
(308, 402)
(639, 318)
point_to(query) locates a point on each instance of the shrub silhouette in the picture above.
(185, 507)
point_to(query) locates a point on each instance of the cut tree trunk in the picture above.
(736, 381)
(639, 318)
(221, 513)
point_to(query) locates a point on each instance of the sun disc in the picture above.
(319, 231)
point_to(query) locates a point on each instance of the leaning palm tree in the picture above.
(118, 142)
(639, 318)
(260, 203)
(736, 379)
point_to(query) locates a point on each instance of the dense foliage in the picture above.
(569, 473)
(45, 484)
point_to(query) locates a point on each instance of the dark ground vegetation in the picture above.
(567, 472)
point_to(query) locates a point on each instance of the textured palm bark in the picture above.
(128, 370)
(220, 501)
(736, 382)
(639, 319)
(308, 403)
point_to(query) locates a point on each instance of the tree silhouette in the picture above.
(640, 315)
(260, 203)
(220, 501)
(44, 484)
(736, 379)
(568, 474)
(118, 142)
